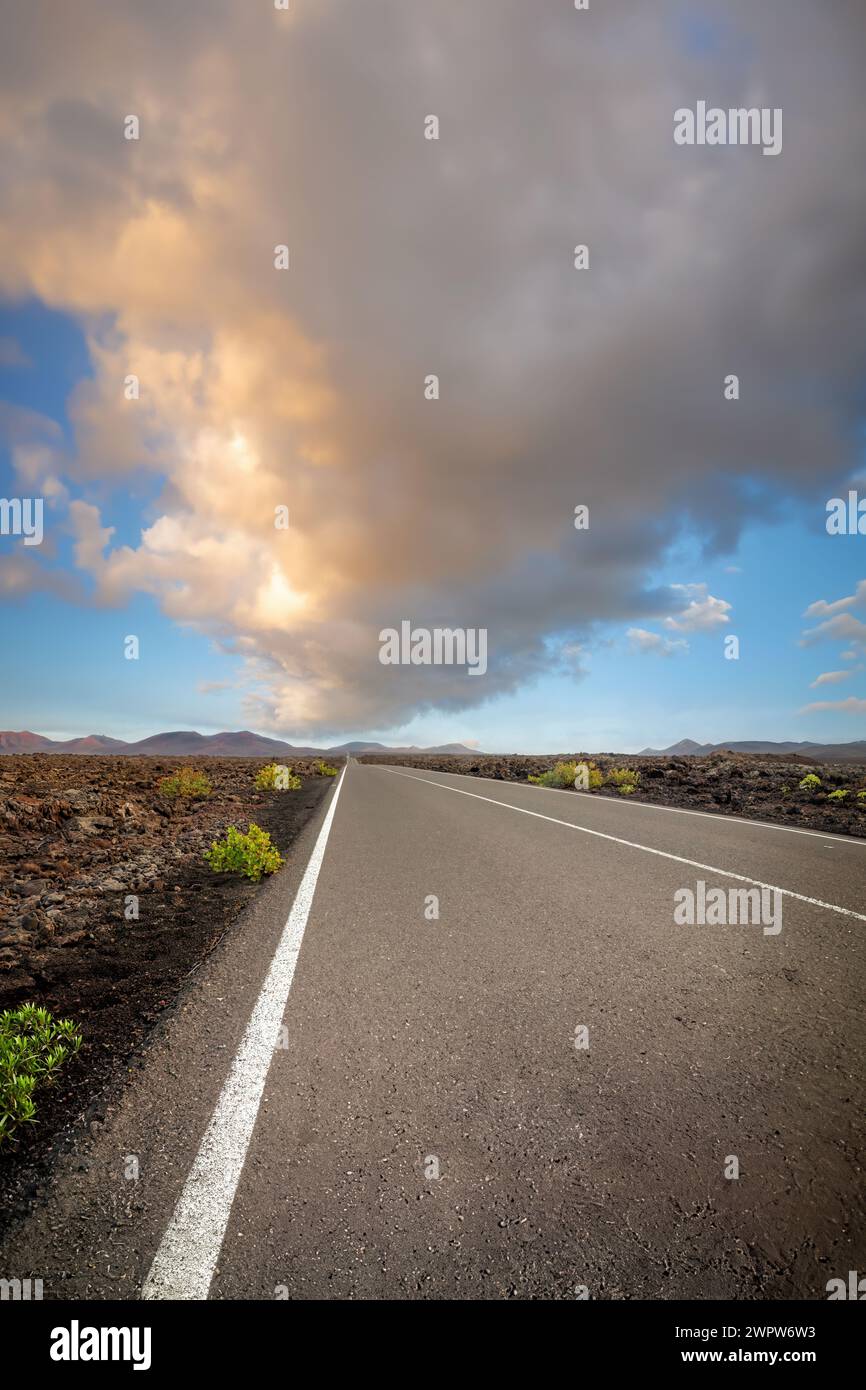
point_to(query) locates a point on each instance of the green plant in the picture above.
(276, 777)
(325, 770)
(33, 1047)
(186, 782)
(251, 855)
(625, 779)
(595, 776)
(562, 775)
(838, 795)
(810, 782)
(861, 796)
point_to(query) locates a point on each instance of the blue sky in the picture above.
(303, 387)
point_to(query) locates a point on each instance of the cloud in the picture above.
(702, 613)
(23, 573)
(850, 706)
(844, 627)
(214, 687)
(645, 641)
(304, 388)
(839, 625)
(822, 609)
(831, 678)
(91, 538)
(12, 354)
(573, 658)
(22, 426)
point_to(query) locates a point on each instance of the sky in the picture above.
(305, 388)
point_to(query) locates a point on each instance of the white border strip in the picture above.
(630, 844)
(185, 1261)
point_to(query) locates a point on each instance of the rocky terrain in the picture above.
(81, 839)
(760, 786)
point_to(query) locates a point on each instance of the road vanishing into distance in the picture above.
(542, 1092)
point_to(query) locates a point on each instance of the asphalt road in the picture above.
(428, 1127)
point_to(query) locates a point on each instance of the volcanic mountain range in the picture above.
(184, 742)
(244, 744)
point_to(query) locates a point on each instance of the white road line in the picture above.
(631, 844)
(185, 1261)
(720, 817)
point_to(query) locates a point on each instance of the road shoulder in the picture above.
(113, 1188)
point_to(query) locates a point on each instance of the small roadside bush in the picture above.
(277, 778)
(594, 777)
(810, 783)
(252, 854)
(33, 1048)
(625, 779)
(186, 782)
(838, 795)
(325, 770)
(562, 775)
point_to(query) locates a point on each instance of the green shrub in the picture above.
(838, 795)
(277, 778)
(625, 779)
(562, 775)
(251, 855)
(33, 1047)
(810, 782)
(325, 770)
(186, 782)
(861, 796)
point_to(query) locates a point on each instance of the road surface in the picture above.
(542, 1092)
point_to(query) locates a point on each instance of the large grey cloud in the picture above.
(409, 257)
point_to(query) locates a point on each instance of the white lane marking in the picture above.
(184, 1263)
(631, 844)
(718, 816)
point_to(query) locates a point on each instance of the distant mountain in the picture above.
(445, 748)
(182, 742)
(24, 743)
(358, 748)
(187, 742)
(36, 743)
(686, 748)
(823, 752)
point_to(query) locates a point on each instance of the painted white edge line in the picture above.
(718, 816)
(183, 1265)
(631, 844)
